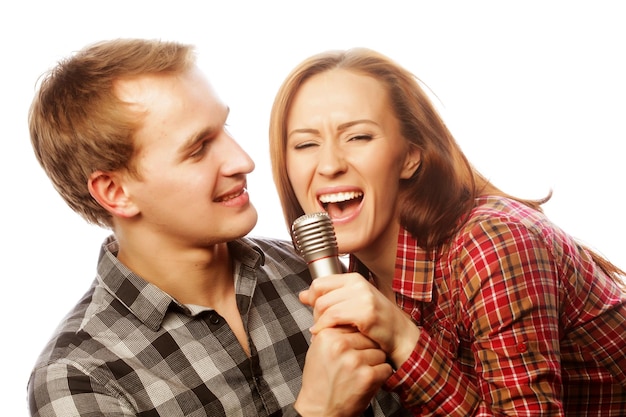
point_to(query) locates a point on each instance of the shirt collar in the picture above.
(414, 269)
(145, 300)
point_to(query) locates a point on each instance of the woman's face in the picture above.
(345, 155)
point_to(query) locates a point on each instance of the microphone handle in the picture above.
(322, 267)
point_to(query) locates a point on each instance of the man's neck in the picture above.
(192, 275)
(201, 276)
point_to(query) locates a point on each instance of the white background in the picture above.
(534, 91)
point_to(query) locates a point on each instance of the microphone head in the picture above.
(314, 236)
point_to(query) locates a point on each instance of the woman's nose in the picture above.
(331, 160)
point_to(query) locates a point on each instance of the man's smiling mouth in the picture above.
(230, 196)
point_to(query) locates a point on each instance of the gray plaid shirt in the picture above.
(129, 349)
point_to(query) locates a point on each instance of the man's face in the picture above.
(191, 187)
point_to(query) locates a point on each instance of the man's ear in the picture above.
(412, 162)
(108, 190)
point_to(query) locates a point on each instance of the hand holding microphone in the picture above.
(355, 302)
(314, 238)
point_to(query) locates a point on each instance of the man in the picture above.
(186, 316)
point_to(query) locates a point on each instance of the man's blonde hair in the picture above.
(78, 125)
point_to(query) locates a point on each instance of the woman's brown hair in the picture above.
(444, 188)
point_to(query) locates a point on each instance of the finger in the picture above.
(342, 339)
(370, 364)
(382, 372)
(373, 356)
(306, 297)
(327, 320)
(318, 288)
(326, 284)
(322, 285)
(374, 367)
(331, 283)
(338, 308)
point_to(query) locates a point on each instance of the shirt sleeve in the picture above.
(508, 306)
(60, 390)
(430, 383)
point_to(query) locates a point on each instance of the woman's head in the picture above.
(440, 188)
(77, 123)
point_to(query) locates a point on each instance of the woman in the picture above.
(483, 306)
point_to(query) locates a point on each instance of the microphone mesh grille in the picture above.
(314, 233)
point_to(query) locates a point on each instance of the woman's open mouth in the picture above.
(342, 204)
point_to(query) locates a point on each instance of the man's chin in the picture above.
(246, 223)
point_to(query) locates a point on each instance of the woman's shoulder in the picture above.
(503, 225)
(489, 209)
(496, 205)
(495, 218)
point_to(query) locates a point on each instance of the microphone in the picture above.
(314, 238)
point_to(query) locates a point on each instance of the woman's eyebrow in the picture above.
(341, 127)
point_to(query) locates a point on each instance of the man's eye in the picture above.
(200, 150)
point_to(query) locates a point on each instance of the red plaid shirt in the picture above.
(516, 320)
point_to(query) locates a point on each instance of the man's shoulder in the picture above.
(272, 249)
(277, 254)
(78, 334)
(268, 243)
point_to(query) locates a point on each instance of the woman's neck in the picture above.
(380, 259)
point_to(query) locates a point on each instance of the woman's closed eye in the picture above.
(305, 145)
(360, 137)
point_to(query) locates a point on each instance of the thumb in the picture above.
(306, 297)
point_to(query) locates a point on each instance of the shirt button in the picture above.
(214, 319)
(521, 347)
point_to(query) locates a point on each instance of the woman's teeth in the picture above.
(339, 197)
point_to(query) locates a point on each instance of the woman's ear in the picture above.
(107, 188)
(412, 162)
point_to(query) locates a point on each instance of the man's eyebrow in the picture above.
(341, 127)
(202, 134)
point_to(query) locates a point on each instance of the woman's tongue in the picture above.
(342, 209)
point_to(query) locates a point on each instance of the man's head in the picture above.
(79, 125)
(189, 185)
